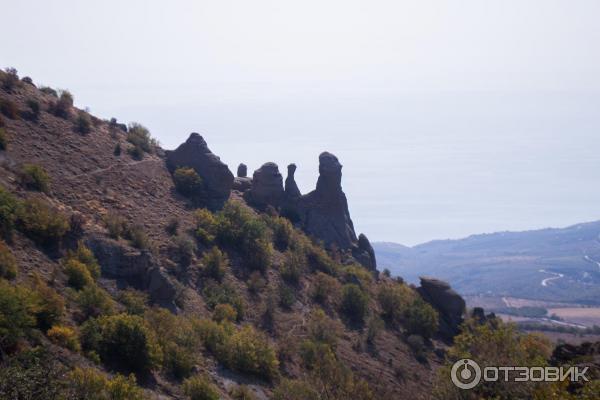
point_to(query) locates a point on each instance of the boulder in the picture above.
(364, 253)
(242, 170)
(267, 187)
(133, 267)
(242, 184)
(324, 211)
(215, 174)
(449, 304)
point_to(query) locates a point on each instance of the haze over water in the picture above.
(450, 119)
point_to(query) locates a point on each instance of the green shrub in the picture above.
(293, 266)
(83, 123)
(287, 296)
(10, 79)
(137, 236)
(242, 392)
(295, 390)
(140, 137)
(136, 152)
(206, 225)
(3, 139)
(215, 264)
(49, 305)
(256, 283)
(421, 319)
(319, 260)
(34, 177)
(64, 336)
(93, 302)
(62, 106)
(9, 109)
(215, 294)
(394, 300)
(34, 109)
(326, 289)
(213, 334)
(184, 249)
(78, 276)
(323, 329)
(357, 274)
(89, 383)
(85, 256)
(224, 312)
(115, 224)
(123, 340)
(283, 232)
(17, 314)
(188, 182)
(41, 222)
(8, 262)
(247, 350)
(49, 91)
(354, 303)
(8, 213)
(135, 301)
(200, 388)
(374, 326)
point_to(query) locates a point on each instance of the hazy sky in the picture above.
(450, 117)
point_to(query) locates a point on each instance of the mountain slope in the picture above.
(515, 264)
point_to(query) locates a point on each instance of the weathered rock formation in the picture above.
(364, 252)
(215, 174)
(242, 170)
(267, 187)
(291, 188)
(132, 267)
(449, 304)
(324, 211)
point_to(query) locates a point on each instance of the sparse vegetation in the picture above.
(214, 263)
(115, 224)
(3, 139)
(215, 293)
(199, 388)
(9, 109)
(64, 336)
(34, 177)
(140, 138)
(88, 383)
(83, 123)
(8, 213)
(41, 222)
(10, 79)
(354, 303)
(33, 114)
(8, 263)
(188, 182)
(49, 91)
(62, 106)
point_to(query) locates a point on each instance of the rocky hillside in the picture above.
(163, 265)
(132, 272)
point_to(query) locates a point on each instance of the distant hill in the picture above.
(546, 264)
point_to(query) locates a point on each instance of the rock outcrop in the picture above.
(450, 305)
(324, 211)
(267, 187)
(242, 171)
(215, 174)
(132, 267)
(364, 253)
(291, 188)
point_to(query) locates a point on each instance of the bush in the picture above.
(135, 302)
(49, 91)
(224, 312)
(78, 275)
(358, 275)
(374, 326)
(256, 283)
(215, 264)
(115, 224)
(34, 177)
(64, 336)
(247, 350)
(3, 139)
(88, 383)
(295, 390)
(136, 152)
(49, 305)
(200, 388)
(41, 222)
(394, 300)
(137, 236)
(354, 303)
(17, 314)
(8, 262)
(34, 110)
(215, 294)
(319, 260)
(83, 123)
(323, 329)
(85, 256)
(9, 109)
(206, 225)
(213, 334)
(184, 248)
(93, 302)
(10, 79)
(283, 232)
(117, 150)
(293, 266)
(140, 137)
(123, 340)
(62, 107)
(32, 375)
(242, 392)
(172, 226)
(188, 182)
(326, 289)
(8, 213)
(421, 319)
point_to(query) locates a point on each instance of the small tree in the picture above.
(354, 303)
(34, 177)
(188, 182)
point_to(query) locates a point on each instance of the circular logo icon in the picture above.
(465, 374)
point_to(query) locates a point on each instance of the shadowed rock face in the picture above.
(242, 170)
(364, 252)
(449, 304)
(291, 188)
(215, 174)
(324, 211)
(267, 187)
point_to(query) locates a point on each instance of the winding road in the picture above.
(555, 276)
